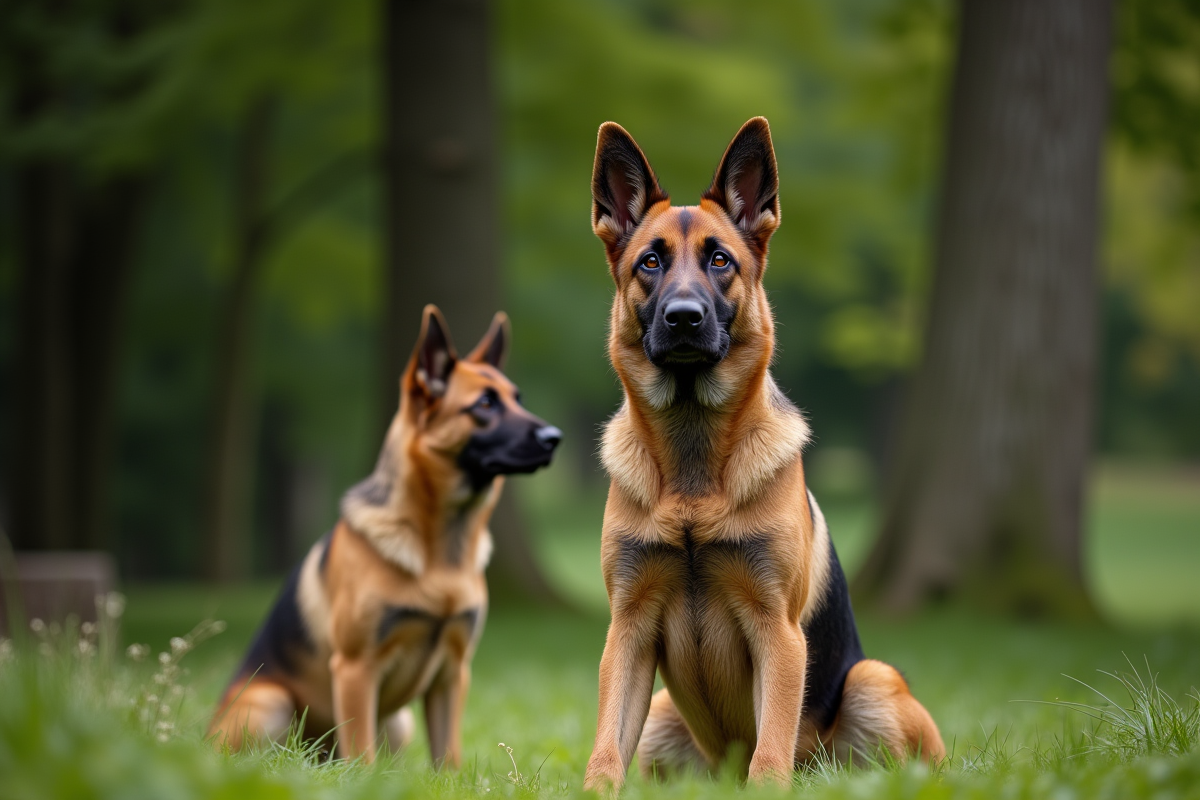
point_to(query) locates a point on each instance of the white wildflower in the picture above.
(114, 605)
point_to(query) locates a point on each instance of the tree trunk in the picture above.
(230, 475)
(985, 492)
(441, 207)
(76, 254)
(76, 237)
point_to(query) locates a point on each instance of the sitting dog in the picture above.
(719, 567)
(389, 606)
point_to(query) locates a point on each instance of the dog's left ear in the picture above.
(623, 188)
(493, 347)
(435, 356)
(747, 183)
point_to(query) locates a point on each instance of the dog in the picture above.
(389, 606)
(717, 560)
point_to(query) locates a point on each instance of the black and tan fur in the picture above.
(719, 567)
(390, 605)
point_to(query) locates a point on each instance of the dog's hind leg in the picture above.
(399, 729)
(878, 710)
(667, 746)
(256, 711)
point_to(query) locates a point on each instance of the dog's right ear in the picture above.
(623, 188)
(493, 347)
(434, 357)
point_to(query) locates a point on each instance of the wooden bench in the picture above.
(54, 585)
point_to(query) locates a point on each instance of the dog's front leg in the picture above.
(626, 683)
(781, 656)
(355, 704)
(444, 703)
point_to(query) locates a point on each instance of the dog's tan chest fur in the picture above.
(408, 624)
(706, 575)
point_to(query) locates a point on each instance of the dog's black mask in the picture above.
(509, 441)
(685, 323)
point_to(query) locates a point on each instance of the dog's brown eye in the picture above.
(485, 400)
(720, 260)
(650, 261)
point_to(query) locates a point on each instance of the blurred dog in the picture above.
(389, 606)
(719, 567)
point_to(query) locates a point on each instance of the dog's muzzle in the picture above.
(685, 332)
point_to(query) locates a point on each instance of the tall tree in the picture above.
(76, 232)
(257, 225)
(984, 500)
(441, 211)
(229, 472)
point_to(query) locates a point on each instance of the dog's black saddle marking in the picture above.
(282, 635)
(833, 646)
(324, 544)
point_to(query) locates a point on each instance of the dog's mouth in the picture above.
(686, 354)
(689, 353)
(516, 466)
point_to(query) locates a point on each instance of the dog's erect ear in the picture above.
(623, 188)
(493, 347)
(434, 356)
(747, 183)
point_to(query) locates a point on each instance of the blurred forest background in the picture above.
(205, 293)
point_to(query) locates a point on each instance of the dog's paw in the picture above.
(603, 778)
(764, 773)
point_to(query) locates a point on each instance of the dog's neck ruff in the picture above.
(774, 437)
(378, 509)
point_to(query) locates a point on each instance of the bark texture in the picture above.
(985, 491)
(442, 213)
(76, 235)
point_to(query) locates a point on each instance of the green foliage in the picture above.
(855, 94)
(1153, 250)
(846, 265)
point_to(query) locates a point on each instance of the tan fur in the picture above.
(746, 536)
(417, 554)
(879, 711)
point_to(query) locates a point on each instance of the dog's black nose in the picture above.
(548, 436)
(687, 314)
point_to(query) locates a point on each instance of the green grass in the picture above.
(71, 728)
(1024, 708)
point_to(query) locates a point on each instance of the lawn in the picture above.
(70, 727)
